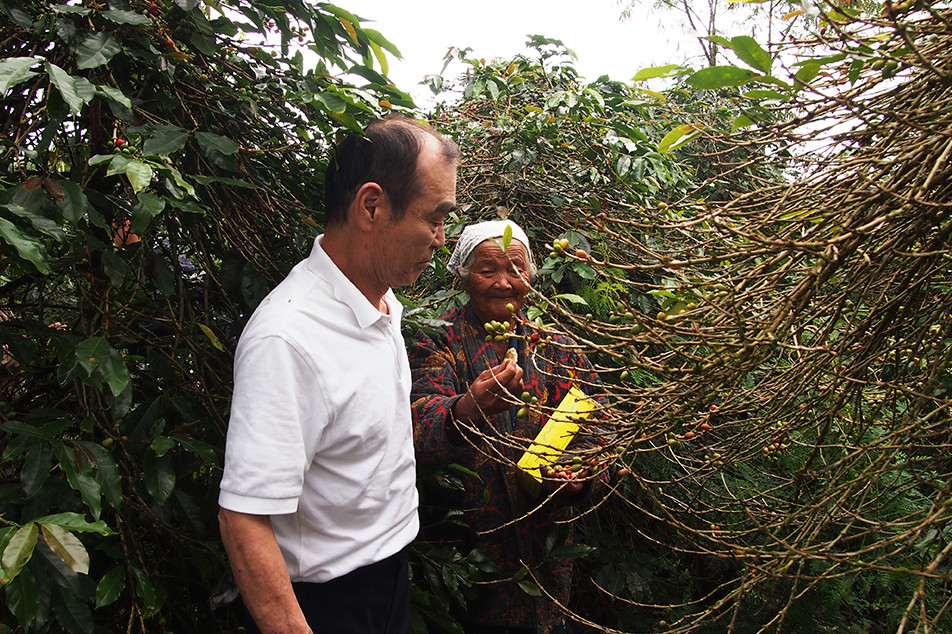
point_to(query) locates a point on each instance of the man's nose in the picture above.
(440, 238)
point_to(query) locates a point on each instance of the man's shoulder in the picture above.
(301, 300)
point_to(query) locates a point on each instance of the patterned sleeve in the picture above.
(436, 388)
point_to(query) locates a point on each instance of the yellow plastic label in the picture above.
(553, 438)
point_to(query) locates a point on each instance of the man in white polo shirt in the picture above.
(318, 497)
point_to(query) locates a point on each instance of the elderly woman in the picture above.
(465, 405)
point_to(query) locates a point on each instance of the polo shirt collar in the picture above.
(345, 292)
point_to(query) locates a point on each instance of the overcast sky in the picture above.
(424, 30)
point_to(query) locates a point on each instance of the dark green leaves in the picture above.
(74, 202)
(165, 140)
(216, 142)
(36, 468)
(14, 70)
(126, 17)
(28, 248)
(159, 474)
(96, 49)
(99, 363)
(110, 586)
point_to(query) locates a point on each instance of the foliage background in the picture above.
(758, 265)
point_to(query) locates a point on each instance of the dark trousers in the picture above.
(374, 599)
(562, 628)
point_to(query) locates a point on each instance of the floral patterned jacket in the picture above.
(507, 524)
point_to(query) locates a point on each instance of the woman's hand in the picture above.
(567, 489)
(494, 390)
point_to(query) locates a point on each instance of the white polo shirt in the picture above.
(320, 435)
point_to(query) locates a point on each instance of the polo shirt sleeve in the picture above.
(278, 413)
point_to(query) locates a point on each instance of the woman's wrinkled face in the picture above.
(498, 278)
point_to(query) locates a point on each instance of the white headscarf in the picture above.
(476, 234)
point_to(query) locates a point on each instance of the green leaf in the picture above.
(375, 37)
(622, 165)
(165, 140)
(40, 222)
(807, 73)
(110, 587)
(201, 449)
(71, 9)
(116, 268)
(91, 353)
(114, 94)
(212, 337)
(117, 165)
(668, 70)
(20, 17)
(30, 250)
(181, 182)
(99, 159)
(74, 203)
(721, 77)
(80, 478)
(148, 207)
(381, 57)
(331, 102)
(22, 599)
(145, 590)
(72, 613)
(106, 471)
(15, 70)
(84, 88)
(139, 174)
(227, 180)
(49, 431)
(678, 137)
(751, 53)
(126, 17)
(36, 468)
(159, 477)
(529, 587)
(161, 445)
(67, 547)
(493, 89)
(216, 142)
(77, 523)
(742, 121)
(115, 372)
(718, 39)
(571, 297)
(19, 550)
(759, 94)
(96, 49)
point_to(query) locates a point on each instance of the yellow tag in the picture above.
(553, 438)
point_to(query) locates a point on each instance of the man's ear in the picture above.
(369, 203)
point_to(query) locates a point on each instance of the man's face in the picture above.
(407, 245)
(497, 278)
